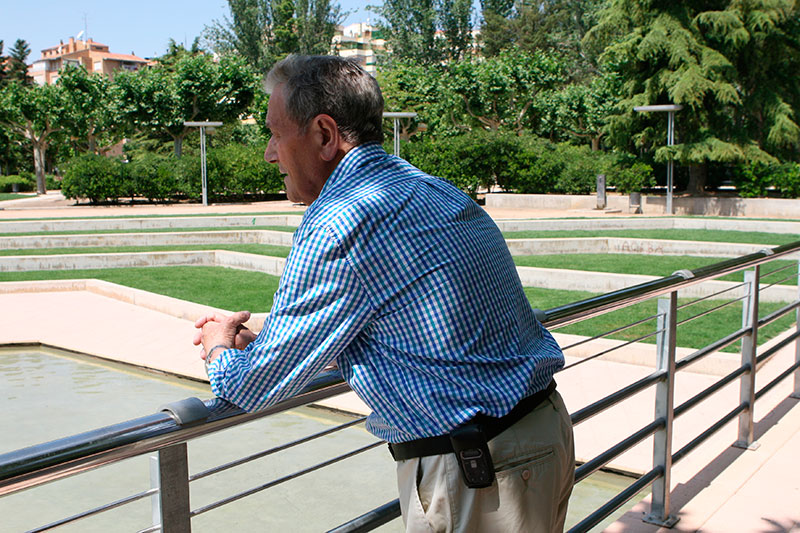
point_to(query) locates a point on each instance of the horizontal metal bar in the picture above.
(708, 297)
(709, 311)
(778, 282)
(616, 397)
(612, 349)
(708, 391)
(694, 443)
(711, 348)
(598, 305)
(371, 520)
(772, 350)
(96, 510)
(274, 482)
(617, 501)
(276, 449)
(775, 315)
(783, 375)
(60, 458)
(779, 269)
(610, 332)
(599, 461)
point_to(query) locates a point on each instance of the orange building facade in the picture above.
(95, 57)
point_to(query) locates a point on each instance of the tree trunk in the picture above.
(697, 179)
(39, 152)
(595, 144)
(178, 143)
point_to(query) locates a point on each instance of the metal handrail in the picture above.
(60, 458)
(598, 305)
(42, 463)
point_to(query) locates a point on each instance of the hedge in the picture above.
(233, 171)
(25, 182)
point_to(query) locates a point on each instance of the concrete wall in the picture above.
(135, 224)
(547, 278)
(655, 205)
(278, 238)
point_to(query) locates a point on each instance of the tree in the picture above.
(159, 99)
(580, 110)
(731, 69)
(500, 94)
(18, 66)
(35, 113)
(92, 111)
(494, 26)
(455, 19)
(410, 26)
(316, 22)
(264, 31)
(246, 32)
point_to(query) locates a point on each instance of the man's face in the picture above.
(293, 151)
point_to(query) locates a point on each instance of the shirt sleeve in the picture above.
(320, 308)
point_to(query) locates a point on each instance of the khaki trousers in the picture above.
(534, 461)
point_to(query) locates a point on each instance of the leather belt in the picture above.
(491, 426)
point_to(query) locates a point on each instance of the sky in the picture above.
(142, 27)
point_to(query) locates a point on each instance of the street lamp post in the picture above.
(203, 126)
(670, 109)
(396, 116)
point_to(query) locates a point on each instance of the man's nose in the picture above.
(270, 155)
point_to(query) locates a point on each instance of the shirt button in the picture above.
(526, 474)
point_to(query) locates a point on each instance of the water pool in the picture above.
(50, 394)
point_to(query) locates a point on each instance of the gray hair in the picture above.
(333, 86)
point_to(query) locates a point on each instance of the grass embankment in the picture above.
(12, 196)
(747, 237)
(237, 289)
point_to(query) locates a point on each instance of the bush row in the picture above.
(525, 164)
(26, 182)
(233, 171)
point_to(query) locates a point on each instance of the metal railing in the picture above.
(168, 431)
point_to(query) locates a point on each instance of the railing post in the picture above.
(173, 495)
(665, 393)
(747, 383)
(796, 393)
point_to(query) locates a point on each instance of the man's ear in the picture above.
(330, 140)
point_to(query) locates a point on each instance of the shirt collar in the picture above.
(356, 157)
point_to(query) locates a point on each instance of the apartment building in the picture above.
(95, 57)
(361, 41)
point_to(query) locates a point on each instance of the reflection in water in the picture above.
(49, 396)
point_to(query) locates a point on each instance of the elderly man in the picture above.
(408, 285)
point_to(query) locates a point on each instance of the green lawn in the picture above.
(258, 249)
(751, 237)
(226, 288)
(12, 196)
(651, 265)
(237, 289)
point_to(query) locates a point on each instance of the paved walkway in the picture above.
(715, 489)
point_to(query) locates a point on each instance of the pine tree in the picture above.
(18, 67)
(730, 63)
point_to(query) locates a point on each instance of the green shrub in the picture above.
(757, 179)
(24, 182)
(545, 167)
(468, 161)
(97, 178)
(154, 176)
(236, 170)
(52, 182)
(628, 175)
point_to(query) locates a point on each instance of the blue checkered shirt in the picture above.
(408, 284)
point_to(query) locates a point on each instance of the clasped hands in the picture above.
(216, 329)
